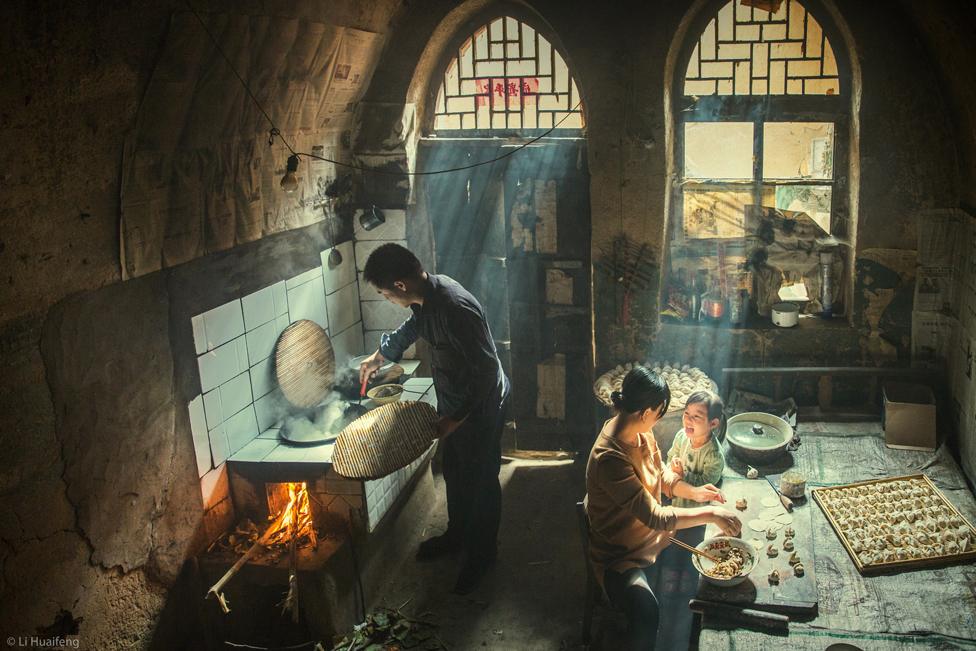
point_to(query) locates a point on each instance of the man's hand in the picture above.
(446, 426)
(370, 365)
(727, 521)
(708, 493)
(677, 467)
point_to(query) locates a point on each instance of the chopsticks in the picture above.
(362, 389)
(693, 550)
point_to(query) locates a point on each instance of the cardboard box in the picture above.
(909, 416)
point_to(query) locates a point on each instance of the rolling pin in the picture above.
(783, 499)
(758, 618)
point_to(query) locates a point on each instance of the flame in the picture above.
(295, 516)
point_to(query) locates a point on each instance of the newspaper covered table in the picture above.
(924, 608)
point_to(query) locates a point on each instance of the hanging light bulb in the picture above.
(289, 183)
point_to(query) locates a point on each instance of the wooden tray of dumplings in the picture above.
(897, 523)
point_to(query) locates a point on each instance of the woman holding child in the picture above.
(629, 526)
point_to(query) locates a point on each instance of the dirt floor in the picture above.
(533, 598)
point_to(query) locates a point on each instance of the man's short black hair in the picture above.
(390, 263)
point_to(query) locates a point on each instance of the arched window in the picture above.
(761, 148)
(507, 77)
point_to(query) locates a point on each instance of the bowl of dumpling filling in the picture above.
(385, 393)
(736, 559)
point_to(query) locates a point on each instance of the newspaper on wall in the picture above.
(199, 175)
(942, 238)
(934, 289)
(932, 336)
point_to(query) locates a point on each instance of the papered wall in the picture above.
(199, 173)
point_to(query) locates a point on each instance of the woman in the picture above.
(628, 525)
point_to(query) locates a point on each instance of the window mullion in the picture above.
(757, 162)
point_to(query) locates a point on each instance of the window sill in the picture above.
(760, 323)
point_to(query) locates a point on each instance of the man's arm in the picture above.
(394, 344)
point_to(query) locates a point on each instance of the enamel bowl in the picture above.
(719, 547)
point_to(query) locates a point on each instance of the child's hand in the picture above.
(677, 467)
(708, 493)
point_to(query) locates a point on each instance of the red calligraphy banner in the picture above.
(515, 89)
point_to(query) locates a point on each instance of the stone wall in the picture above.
(99, 506)
(99, 502)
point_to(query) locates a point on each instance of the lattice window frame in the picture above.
(527, 77)
(745, 51)
(760, 109)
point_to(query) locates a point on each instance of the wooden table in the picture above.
(793, 595)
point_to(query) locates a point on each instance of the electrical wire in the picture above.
(274, 132)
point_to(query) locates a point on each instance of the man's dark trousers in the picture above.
(472, 460)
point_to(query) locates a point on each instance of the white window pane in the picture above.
(798, 150)
(718, 150)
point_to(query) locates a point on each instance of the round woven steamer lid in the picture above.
(305, 364)
(384, 440)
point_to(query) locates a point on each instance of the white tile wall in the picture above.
(366, 291)
(219, 365)
(201, 442)
(418, 384)
(307, 301)
(269, 409)
(344, 273)
(287, 453)
(261, 341)
(382, 493)
(320, 453)
(343, 308)
(241, 429)
(217, 326)
(262, 378)
(240, 403)
(214, 486)
(219, 447)
(227, 399)
(264, 305)
(383, 315)
(270, 433)
(303, 278)
(256, 450)
(409, 365)
(395, 227)
(363, 249)
(348, 343)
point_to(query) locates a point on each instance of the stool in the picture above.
(593, 594)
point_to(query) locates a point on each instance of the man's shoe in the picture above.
(471, 574)
(438, 547)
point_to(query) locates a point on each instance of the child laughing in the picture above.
(695, 455)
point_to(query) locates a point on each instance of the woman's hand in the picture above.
(708, 493)
(727, 521)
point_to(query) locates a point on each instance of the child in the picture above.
(695, 455)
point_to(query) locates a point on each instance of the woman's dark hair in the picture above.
(712, 402)
(642, 389)
(390, 263)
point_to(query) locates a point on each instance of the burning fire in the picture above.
(291, 524)
(292, 515)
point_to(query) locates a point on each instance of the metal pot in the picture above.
(758, 437)
(785, 315)
(713, 308)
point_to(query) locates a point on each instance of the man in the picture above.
(471, 391)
